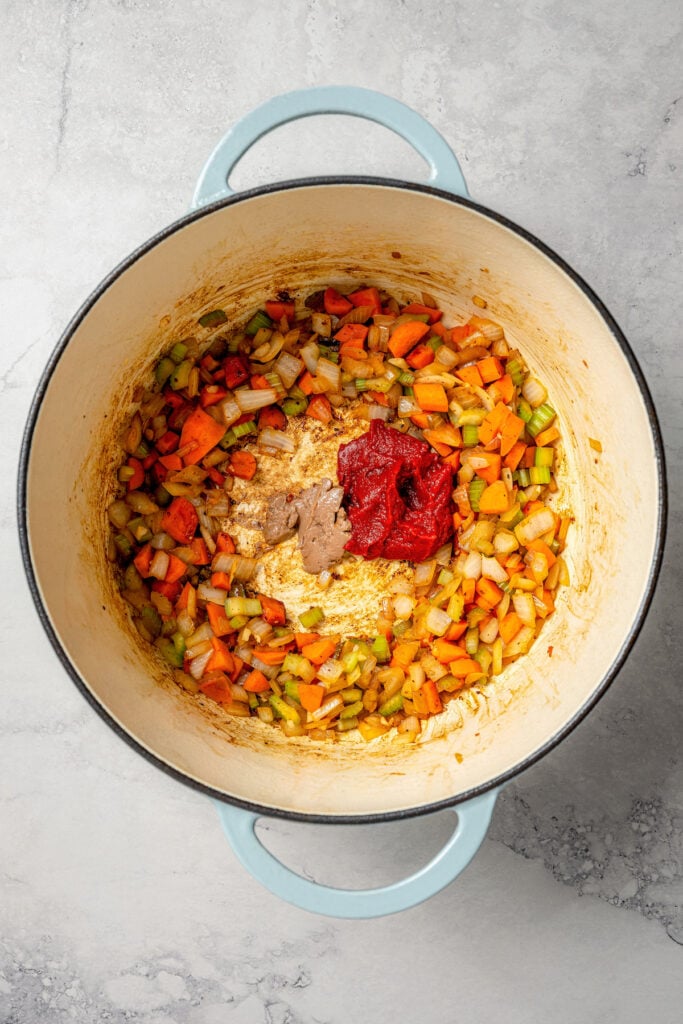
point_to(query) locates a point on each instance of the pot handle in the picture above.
(473, 821)
(445, 170)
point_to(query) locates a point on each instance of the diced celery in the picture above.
(179, 642)
(292, 690)
(181, 375)
(391, 706)
(142, 450)
(329, 353)
(164, 369)
(284, 710)
(456, 606)
(470, 435)
(162, 497)
(178, 352)
(352, 710)
(151, 619)
(524, 410)
(406, 378)
(237, 621)
(123, 545)
(523, 478)
(172, 656)
(299, 666)
(311, 618)
(242, 429)
(294, 406)
(213, 318)
(444, 577)
(250, 606)
(353, 676)
(539, 475)
(542, 417)
(351, 694)
(140, 530)
(400, 627)
(346, 724)
(514, 368)
(228, 439)
(380, 649)
(476, 489)
(472, 640)
(544, 457)
(258, 320)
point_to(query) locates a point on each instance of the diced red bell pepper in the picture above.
(236, 371)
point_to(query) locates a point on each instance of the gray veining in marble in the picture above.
(119, 899)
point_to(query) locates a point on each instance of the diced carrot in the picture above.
(406, 336)
(176, 569)
(461, 332)
(467, 590)
(420, 310)
(236, 370)
(169, 590)
(221, 581)
(319, 408)
(306, 382)
(455, 631)
(547, 436)
(502, 390)
(494, 499)
(216, 476)
(493, 422)
(378, 398)
(540, 545)
(239, 665)
(258, 382)
(528, 458)
(453, 460)
(304, 639)
(143, 560)
(211, 395)
(272, 416)
(273, 610)
(171, 462)
(420, 419)
(513, 457)
(490, 369)
(463, 666)
(512, 428)
(404, 653)
(447, 652)
(421, 356)
(180, 520)
(138, 477)
(200, 552)
(187, 599)
(149, 460)
(491, 472)
(203, 430)
(489, 592)
(276, 310)
(320, 650)
(431, 397)
(270, 655)
(446, 433)
(311, 695)
(336, 304)
(469, 375)
(256, 682)
(218, 620)
(431, 694)
(532, 506)
(224, 542)
(355, 334)
(221, 660)
(548, 601)
(441, 331)
(242, 464)
(440, 449)
(217, 688)
(367, 297)
(167, 443)
(509, 626)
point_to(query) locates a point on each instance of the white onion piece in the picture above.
(472, 567)
(271, 438)
(119, 514)
(505, 542)
(159, 565)
(536, 524)
(288, 368)
(491, 569)
(534, 392)
(162, 542)
(437, 621)
(249, 400)
(525, 608)
(310, 354)
(230, 411)
(330, 670)
(326, 708)
(424, 573)
(403, 606)
(446, 357)
(185, 623)
(379, 412)
(204, 632)
(407, 406)
(521, 643)
(489, 632)
(329, 372)
(195, 650)
(212, 594)
(198, 664)
(261, 629)
(322, 324)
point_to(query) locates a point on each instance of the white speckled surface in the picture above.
(119, 898)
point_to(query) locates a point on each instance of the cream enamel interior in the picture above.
(302, 238)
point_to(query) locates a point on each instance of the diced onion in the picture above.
(198, 664)
(471, 570)
(185, 623)
(379, 412)
(230, 411)
(505, 542)
(204, 632)
(407, 406)
(521, 643)
(162, 542)
(159, 565)
(330, 670)
(288, 368)
(241, 568)
(332, 704)
(310, 354)
(536, 524)
(489, 632)
(534, 392)
(195, 650)
(330, 373)
(491, 569)
(525, 608)
(211, 594)
(261, 629)
(403, 606)
(437, 621)
(271, 438)
(424, 573)
(119, 514)
(249, 400)
(322, 324)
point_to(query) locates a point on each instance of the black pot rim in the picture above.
(276, 812)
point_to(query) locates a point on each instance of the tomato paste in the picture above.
(397, 494)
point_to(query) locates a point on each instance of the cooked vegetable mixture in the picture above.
(453, 476)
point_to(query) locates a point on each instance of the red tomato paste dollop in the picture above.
(397, 494)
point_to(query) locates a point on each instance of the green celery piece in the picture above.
(259, 319)
(178, 352)
(213, 318)
(165, 367)
(391, 706)
(181, 375)
(284, 710)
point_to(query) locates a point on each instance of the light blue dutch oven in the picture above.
(235, 250)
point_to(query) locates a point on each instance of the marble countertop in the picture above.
(119, 899)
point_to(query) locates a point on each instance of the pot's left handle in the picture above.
(444, 168)
(473, 821)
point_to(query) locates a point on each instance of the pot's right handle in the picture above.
(473, 821)
(445, 170)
